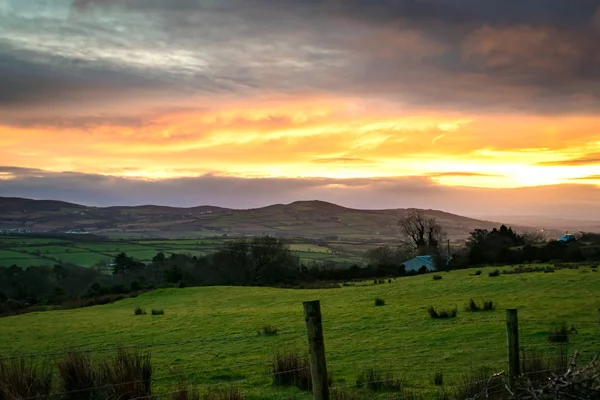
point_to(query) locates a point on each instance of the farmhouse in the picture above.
(419, 262)
(415, 264)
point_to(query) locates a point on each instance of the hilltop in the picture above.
(313, 219)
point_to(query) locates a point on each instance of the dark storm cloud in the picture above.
(419, 192)
(461, 54)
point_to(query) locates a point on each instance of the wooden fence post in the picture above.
(512, 335)
(316, 347)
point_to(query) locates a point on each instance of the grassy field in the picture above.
(210, 332)
(27, 251)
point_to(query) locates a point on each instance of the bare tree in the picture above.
(422, 232)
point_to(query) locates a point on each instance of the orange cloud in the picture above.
(316, 136)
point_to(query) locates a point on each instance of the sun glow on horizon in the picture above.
(327, 138)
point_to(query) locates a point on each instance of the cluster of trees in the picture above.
(269, 261)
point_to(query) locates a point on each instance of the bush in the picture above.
(292, 369)
(488, 305)
(139, 311)
(379, 302)
(78, 377)
(539, 367)
(438, 379)
(229, 393)
(558, 334)
(437, 277)
(494, 273)
(128, 375)
(377, 380)
(476, 382)
(433, 313)
(158, 312)
(477, 273)
(22, 379)
(268, 330)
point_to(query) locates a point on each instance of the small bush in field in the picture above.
(268, 330)
(437, 314)
(228, 393)
(379, 302)
(22, 378)
(476, 382)
(128, 375)
(494, 273)
(488, 305)
(559, 334)
(477, 273)
(377, 380)
(139, 311)
(438, 379)
(389, 281)
(77, 376)
(291, 369)
(158, 312)
(437, 277)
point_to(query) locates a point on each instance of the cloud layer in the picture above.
(463, 93)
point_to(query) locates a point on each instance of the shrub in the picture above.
(488, 305)
(558, 334)
(291, 369)
(438, 379)
(128, 375)
(379, 302)
(539, 367)
(433, 313)
(474, 384)
(389, 281)
(158, 312)
(229, 393)
(139, 311)
(22, 379)
(478, 272)
(135, 286)
(377, 380)
(78, 377)
(437, 277)
(494, 273)
(185, 392)
(268, 330)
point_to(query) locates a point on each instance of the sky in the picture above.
(470, 106)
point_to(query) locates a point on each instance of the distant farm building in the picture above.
(417, 263)
(567, 238)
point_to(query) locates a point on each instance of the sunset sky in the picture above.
(470, 106)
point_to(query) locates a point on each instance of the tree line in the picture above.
(268, 261)
(260, 261)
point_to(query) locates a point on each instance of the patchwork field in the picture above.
(209, 334)
(27, 251)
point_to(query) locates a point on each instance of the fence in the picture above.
(385, 360)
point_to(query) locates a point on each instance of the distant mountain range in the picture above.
(313, 219)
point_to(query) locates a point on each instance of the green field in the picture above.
(210, 332)
(28, 251)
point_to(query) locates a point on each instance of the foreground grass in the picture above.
(191, 335)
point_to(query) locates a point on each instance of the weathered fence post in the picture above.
(512, 335)
(316, 347)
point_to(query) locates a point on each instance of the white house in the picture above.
(415, 264)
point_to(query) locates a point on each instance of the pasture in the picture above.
(26, 251)
(209, 334)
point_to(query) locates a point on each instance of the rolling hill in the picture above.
(313, 219)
